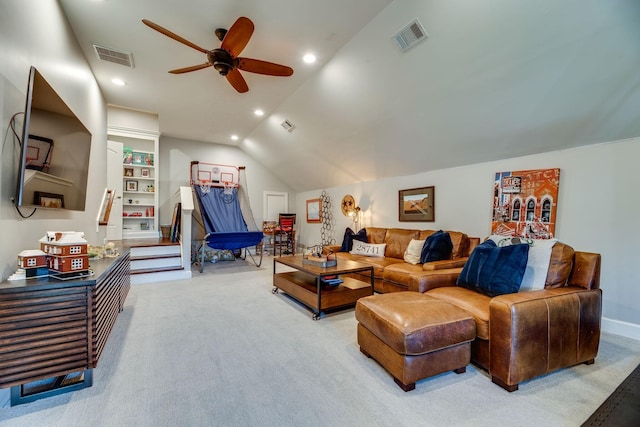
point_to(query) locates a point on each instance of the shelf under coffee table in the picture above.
(305, 284)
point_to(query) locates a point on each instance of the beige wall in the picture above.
(36, 33)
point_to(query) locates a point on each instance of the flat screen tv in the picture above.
(54, 151)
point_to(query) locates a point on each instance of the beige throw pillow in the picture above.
(413, 251)
(535, 274)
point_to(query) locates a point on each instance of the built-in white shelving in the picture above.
(139, 183)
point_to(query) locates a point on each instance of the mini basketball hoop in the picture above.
(205, 186)
(207, 175)
(228, 187)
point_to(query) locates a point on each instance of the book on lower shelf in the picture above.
(332, 280)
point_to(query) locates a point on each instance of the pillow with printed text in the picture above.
(368, 249)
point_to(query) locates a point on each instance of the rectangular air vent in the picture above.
(287, 125)
(116, 56)
(409, 36)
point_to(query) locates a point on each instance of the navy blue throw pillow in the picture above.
(493, 270)
(437, 247)
(350, 236)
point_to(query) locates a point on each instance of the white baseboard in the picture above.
(617, 327)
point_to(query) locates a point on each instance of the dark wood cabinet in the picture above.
(50, 328)
(43, 333)
(107, 299)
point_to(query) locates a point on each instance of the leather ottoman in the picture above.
(414, 336)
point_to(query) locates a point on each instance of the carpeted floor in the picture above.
(222, 350)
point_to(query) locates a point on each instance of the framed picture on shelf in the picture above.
(131, 185)
(313, 210)
(128, 171)
(417, 204)
(145, 173)
(139, 158)
(128, 156)
(48, 200)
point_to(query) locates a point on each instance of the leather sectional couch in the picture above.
(519, 336)
(391, 272)
(523, 335)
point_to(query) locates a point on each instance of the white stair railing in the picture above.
(183, 196)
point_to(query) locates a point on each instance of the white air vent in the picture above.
(287, 125)
(114, 55)
(409, 36)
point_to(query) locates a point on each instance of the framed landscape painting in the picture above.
(313, 210)
(417, 204)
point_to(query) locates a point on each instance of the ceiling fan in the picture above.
(225, 59)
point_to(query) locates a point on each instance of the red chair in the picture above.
(285, 234)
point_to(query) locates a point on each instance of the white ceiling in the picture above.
(495, 79)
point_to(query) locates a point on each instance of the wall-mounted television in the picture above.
(54, 151)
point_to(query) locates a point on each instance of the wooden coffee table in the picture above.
(305, 284)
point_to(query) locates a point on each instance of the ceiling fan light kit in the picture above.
(225, 60)
(222, 61)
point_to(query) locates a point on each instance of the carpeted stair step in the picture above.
(148, 257)
(156, 270)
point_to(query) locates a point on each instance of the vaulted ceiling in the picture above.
(494, 79)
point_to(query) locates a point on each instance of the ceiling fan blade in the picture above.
(189, 69)
(237, 81)
(238, 36)
(264, 67)
(173, 35)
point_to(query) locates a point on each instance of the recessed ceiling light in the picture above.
(309, 58)
(234, 137)
(258, 112)
(118, 82)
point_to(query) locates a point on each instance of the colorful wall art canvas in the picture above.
(525, 203)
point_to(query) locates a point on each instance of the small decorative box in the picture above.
(320, 261)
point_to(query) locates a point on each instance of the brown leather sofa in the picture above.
(527, 334)
(391, 272)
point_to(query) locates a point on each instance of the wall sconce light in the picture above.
(355, 214)
(349, 208)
